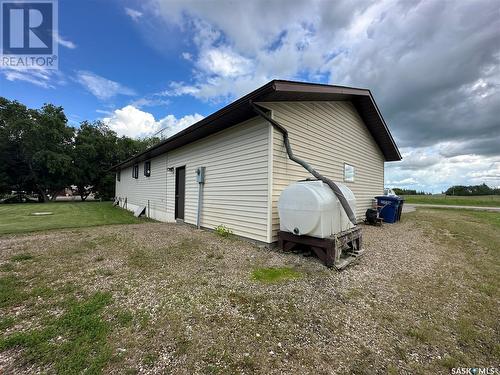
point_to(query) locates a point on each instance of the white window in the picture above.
(348, 173)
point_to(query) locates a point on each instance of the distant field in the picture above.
(483, 201)
(19, 218)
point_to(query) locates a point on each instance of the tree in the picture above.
(35, 148)
(96, 149)
(482, 189)
(40, 152)
(93, 154)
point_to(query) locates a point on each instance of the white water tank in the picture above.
(311, 208)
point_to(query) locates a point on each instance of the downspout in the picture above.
(311, 170)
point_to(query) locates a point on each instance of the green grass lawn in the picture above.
(19, 218)
(483, 201)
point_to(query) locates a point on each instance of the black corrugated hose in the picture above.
(311, 170)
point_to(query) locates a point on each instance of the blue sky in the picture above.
(104, 41)
(434, 68)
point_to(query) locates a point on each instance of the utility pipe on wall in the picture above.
(200, 178)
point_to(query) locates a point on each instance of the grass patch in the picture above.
(275, 274)
(106, 272)
(6, 322)
(124, 318)
(424, 333)
(17, 218)
(150, 359)
(492, 218)
(21, 257)
(72, 343)
(482, 201)
(7, 267)
(11, 292)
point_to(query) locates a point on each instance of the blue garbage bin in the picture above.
(388, 207)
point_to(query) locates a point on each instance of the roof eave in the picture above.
(274, 89)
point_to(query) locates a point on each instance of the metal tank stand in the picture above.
(336, 251)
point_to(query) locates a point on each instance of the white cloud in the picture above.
(224, 63)
(235, 54)
(171, 125)
(64, 42)
(150, 101)
(101, 87)
(132, 122)
(429, 170)
(187, 56)
(46, 78)
(134, 14)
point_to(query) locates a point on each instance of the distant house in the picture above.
(338, 130)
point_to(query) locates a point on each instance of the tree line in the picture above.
(459, 190)
(400, 191)
(40, 153)
(462, 190)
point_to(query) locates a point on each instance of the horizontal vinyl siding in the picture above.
(326, 135)
(139, 191)
(236, 179)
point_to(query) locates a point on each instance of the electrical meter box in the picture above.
(200, 175)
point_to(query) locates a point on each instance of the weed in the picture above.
(21, 257)
(424, 333)
(448, 362)
(139, 258)
(274, 274)
(223, 231)
(7, 267)
(105, 272)
(354, 293)
(150, 359)
(182, 345)
(124, 318)
(42, 292)
(467, 334)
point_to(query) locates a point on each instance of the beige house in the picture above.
(338, 130)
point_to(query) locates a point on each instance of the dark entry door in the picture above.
(180, 192)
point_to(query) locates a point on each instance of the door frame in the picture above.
(176, 193)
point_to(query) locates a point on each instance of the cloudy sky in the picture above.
(433, 66)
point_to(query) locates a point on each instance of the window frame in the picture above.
(118, 175)
(135, 171)
(147, 172)
(349, 178)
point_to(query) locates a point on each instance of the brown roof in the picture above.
(279, 90)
